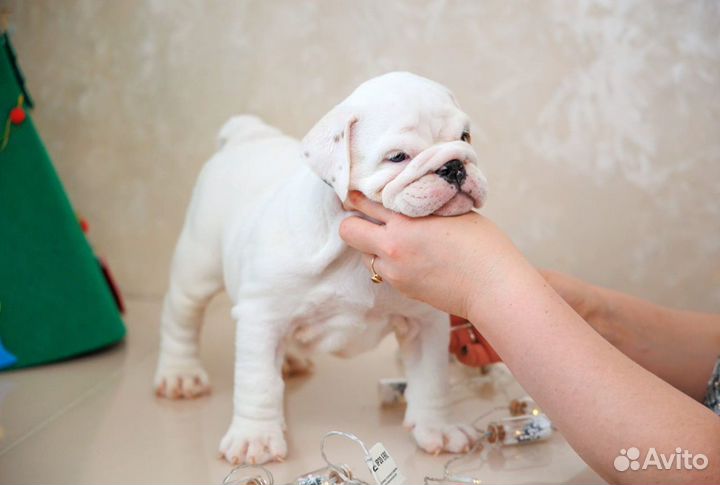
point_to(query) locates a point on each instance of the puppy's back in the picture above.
(244, 128)
(253, 160)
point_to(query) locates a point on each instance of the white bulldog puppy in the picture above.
(264, 226)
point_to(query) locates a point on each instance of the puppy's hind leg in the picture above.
(194, 278)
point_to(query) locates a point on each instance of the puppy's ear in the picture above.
(327, 148)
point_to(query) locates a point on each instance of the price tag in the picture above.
(383, 467)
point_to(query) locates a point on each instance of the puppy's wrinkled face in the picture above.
(405, 143)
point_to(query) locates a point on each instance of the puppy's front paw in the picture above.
(253, 442)
(452, 438)
(181, 380)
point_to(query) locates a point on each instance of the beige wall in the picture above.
(598, 122)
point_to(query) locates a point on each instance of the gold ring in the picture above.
(375, 278)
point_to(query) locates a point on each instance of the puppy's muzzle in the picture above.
(420, 188)
(453, 172)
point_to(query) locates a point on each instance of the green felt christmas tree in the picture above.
(55, 302)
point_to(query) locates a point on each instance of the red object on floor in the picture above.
(469, 346)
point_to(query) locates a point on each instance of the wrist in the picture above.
(505, 283)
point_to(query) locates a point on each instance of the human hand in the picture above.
(443, 261)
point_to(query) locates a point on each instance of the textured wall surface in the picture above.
(598, 122)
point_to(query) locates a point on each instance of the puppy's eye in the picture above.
(400, 157)
(466, 137)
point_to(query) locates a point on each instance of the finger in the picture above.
(361, 234)
(362, 204)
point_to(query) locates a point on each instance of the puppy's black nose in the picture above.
(453, 172)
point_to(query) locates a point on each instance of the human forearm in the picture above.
(598, 398)
(680, 347)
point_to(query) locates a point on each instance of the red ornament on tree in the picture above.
(84, 225)
(17, 115)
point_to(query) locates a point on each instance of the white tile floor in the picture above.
(96, 420)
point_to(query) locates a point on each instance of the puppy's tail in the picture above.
(244, 128)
